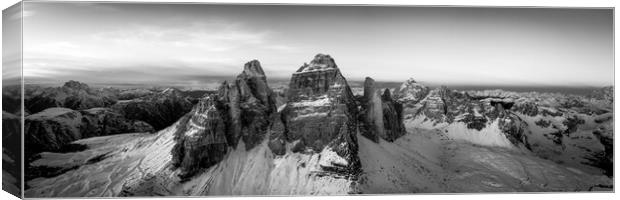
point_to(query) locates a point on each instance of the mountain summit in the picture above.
(320, 62)
(321, 114)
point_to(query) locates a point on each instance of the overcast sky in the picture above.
(11, 39)
(142, 43)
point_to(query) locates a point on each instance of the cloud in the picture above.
(101, 71)
(281, 47)
(213, 36)
(198, 48)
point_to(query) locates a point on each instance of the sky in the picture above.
(11, 51)
(149, 43)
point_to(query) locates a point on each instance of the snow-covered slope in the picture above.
(428, 161)
(572, 130)
(138, 165)
(108, 165)
(422, 161)
(259, 172)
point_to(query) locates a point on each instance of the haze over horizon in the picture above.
(146, 43)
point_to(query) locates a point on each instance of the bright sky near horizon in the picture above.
(141, 43)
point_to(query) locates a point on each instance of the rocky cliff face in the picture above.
(411, 92)
(321, 114)
(239, 112)
(392, 117)
(50, 129)
(381, 116)
(371, 120)
(201, 138)
(53, 128)
(160, 110)
(105, 121)
(320, 117)
(249, 103)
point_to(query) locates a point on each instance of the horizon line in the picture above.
(278, 79)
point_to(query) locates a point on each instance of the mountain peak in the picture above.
(411, 91)
(320, 62)
(76, 85)
(387, 95)
(253, 68)
(411, 80)
(324, 59)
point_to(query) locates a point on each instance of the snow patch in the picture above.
(281, 107)
(312, 114)
(423, 122)
(319, 101)
(330, 157)
(316, 68)
(490, 135)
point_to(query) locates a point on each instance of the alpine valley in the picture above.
(318, 135)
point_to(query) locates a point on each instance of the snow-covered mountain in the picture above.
(324, 140)
(568, 129)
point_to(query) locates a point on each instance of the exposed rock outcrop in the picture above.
(200, 138)
(321, 113)
(105, 121)
(371, 120)
(392, 117)
(249, 103)
(160, 110)
(277, 139)
(445, 106)
(50, 129)
(53, 128)
(73, 95)
(561, 127)
(381, 116)
(411, 92)
(242, 111)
